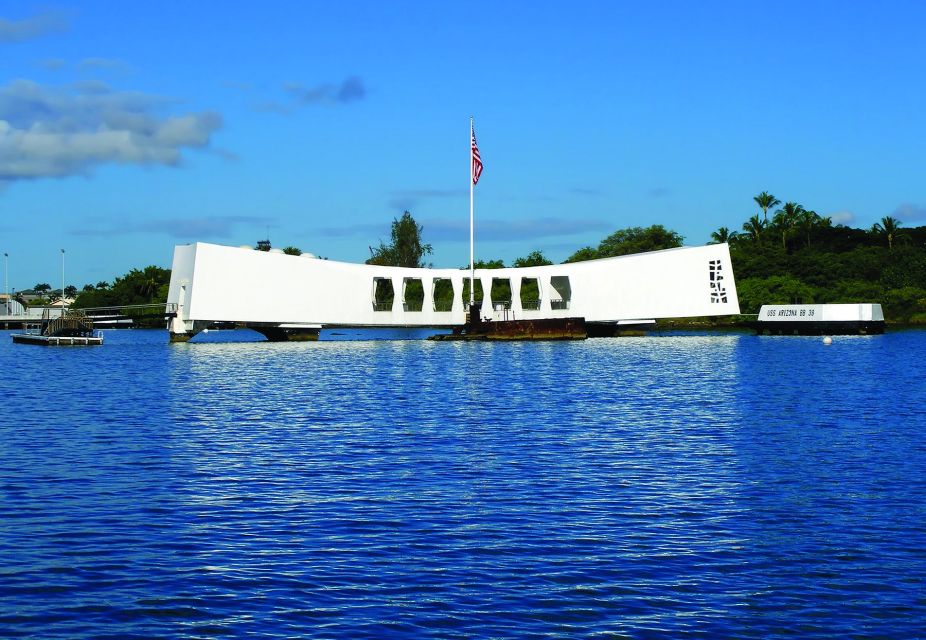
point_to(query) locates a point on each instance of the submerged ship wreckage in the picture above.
(291, 298)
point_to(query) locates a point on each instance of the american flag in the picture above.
(477, 161)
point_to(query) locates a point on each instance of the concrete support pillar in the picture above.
(184, 331)
(487, 311)
(427, 304)
(516, 312)
(458, 306)
(546, 290)
(398, 302)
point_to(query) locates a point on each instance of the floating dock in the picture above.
(34, 338)
(72, 328)
(820, 319)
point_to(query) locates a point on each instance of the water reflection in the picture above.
(502, 460)
(644, 486)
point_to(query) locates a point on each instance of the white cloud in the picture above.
(410, 198)
(843, 217)
(348, 91)
(487, 230)
(201, 227)
(298, 95)
(104, 64)
(910, 212)
(29, 28)
(63, 131)
(505, 230)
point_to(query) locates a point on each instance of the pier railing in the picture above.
(72, 322)
(154, 309)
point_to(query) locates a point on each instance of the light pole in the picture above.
(62, 282)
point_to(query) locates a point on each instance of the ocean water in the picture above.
(701, 486)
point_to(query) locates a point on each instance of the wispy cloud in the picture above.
(842, 217)
(409, 199)
(910, 212)
(53, 64)
(487, 230)
(354, 231)
(104, 64)
(34, 27)
(506, 230)
(64, 131)
(244, 87)
(202, 227)
(350, 90)
(298, 95)
(585, 191)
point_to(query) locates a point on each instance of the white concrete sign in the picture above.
(821, 313)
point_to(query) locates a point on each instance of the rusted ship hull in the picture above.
(509, 330)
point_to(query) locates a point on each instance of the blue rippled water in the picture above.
(658, 487)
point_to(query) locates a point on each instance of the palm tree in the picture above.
(786, 219)
(766, 201)
(809, 221)
(754, 228)
(887, 227)
(723, 235)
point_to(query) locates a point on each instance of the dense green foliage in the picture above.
(405, 248)
(633, 240)
(533, 259)
(137, 287)
(802, 257)
(795, 255)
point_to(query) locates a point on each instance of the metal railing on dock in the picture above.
(73, 322)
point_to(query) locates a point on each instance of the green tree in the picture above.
(754, 228)
(639, 240)
(487, 264)
(533, 259)
(766, 201)
(70, 291)
(42, 287)
(723, 235)
(754, 292)
(292, 251)
(405, 249)
(888, 228)
(632, 240)
(137, 287)
(809, 222)
(785, 221)
(145, 283)
(583, 254)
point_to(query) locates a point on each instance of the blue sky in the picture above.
(128, 128)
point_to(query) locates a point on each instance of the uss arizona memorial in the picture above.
(293, 297)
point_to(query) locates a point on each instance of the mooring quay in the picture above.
(292, 297)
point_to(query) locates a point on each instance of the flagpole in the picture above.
(472, 264)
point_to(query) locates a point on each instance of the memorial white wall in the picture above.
(211, 283)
